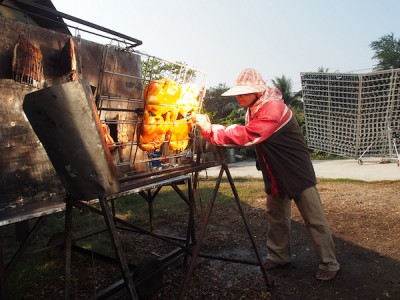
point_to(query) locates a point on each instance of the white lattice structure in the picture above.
(353, 115)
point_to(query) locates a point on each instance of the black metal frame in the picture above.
(192, 245)
(195, 253)
(112, 225)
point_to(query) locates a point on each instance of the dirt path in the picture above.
(364, 218)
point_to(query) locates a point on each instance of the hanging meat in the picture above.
(153, 132)
(27, 62)
(167, 115)
(107, 136)
(116, 133)
(179, 135)
(186, 105)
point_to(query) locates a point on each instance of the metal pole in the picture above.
(235, 193)
(126, 273)
(203, 228)
(68, 247)
(80, 21)
(196, 250)
(3, 277)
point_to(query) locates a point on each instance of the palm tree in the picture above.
(387, 52)
(284, 84)
(322, 69)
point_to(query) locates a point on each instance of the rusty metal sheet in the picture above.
(65, 120)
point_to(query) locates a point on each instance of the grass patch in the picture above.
(321, 155)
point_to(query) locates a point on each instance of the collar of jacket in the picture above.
(268, 95)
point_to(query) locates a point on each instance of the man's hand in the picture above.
(202, 121)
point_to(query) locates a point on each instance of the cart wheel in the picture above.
(56, 242)
(360, 162)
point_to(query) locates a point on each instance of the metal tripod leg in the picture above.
(68, 247)
(3, 277)
(203, 228)
(230, 179)
(126, 273)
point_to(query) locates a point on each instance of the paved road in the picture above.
(372, 169)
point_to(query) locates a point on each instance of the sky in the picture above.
(276, 37)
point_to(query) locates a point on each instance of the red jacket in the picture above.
(279, 143)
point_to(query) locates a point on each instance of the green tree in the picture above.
(154, 68)
(292, 99)
(284, 84)
(236, 116)
(387, 52)
(215, 103)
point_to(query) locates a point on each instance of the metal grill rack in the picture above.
(353, 115)
(127, 110)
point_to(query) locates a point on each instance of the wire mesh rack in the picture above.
(145, 107)
(352, 115)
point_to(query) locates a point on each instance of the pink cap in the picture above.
(249, 81)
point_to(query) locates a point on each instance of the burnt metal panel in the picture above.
(25, 168)
(65, 120)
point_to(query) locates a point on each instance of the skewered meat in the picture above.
(188, 101)
(168, 106)
(154, 129)
(107, 136)
(179, 138)
(161, 96)
(186, 105)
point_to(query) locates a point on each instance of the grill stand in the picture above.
(15, 216)
(108, 218)
(111, 221)
(118, 249)
(197, 246)
(68, 247)
(190, 250)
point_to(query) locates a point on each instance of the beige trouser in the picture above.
(279, 227)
